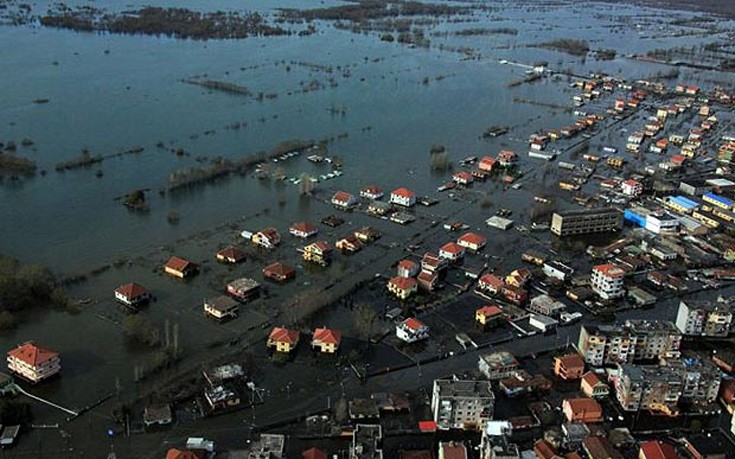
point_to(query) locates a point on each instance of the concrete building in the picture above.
(656, 388)
(568, 367)
(633, 341)
(33, 362)
(498, 365)
(462, 404)
(704, 318)
(574, 222)
(542, 323)
(366, 442)
(607, 281)
(558, 270)
(546, 305)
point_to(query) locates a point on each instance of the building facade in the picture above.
(574, 222)
(607, 281)
(462, 404)
(633, 341)
(33, 362)
(704, 318)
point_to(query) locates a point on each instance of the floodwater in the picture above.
(111, 93)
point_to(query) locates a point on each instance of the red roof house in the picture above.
(472, 241)
(655, 449)
(33, 362)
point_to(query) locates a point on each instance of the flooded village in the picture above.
(368, 229)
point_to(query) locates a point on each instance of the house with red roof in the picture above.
(313, 453)
(490, 283)
(412, 330)
(303, 230)
(463, 178)
(593, 386)
(507, 158)
(472, 241)
(282, 339)
(607, 281)
(326, 340)
(487, 163)
(33, 362)
(452, 252)
(279, 272)
(488, 314)
(178, 267)
(348, 244)
(371, 192)
(515, 295)
(402, 287)
(433, 263)
(132, 294)
(408, 268)
(581, 409)
(231, 255)
(318, 252)
(569, 366)
(428, 281)
(175, 453)
(631, 187)
(343, 200)
(403, 197)
(656, 449)
(268, 238)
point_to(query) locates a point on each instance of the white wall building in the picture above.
(607, 281)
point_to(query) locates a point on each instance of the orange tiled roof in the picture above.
(284, 335)
(326, 335)
(177, 264)
(32, 354)
(131, 290)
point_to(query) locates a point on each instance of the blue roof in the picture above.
(721, 199)
(683, 202)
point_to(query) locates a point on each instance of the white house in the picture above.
(412, 330)
(33, 362)
(343, 200)
(543, 323)
(403, 197)
(472, 241)
(607, 281)
(632, 187)
(451, 251)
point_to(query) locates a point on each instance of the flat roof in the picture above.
(683, 202)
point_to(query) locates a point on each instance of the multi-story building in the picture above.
(462, 404)
(572, 222)
(607, 281)
(403, 197)
(633, 341)
(704, 318)
(700, 378)
(639, 387)
(33, 362)
(498, 365)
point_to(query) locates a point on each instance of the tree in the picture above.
(140, 329)
(365, 318)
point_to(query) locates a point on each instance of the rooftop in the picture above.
(463, 388)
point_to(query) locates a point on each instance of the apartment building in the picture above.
(704, 318)
(574, 222)
(633, 341)
(462, 404)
